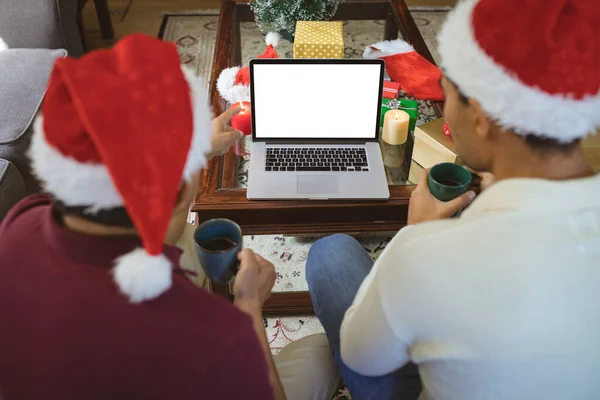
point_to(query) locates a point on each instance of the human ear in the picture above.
(481, 121)
(187, 193)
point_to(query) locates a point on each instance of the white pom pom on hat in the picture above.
(3, 45)
(273, 39)
(141, 276)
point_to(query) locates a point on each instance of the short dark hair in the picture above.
(116, 216)
(535, 142)
(544, 144)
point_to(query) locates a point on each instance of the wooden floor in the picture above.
(130, 16)
(145, 16)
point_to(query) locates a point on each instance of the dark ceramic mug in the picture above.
(447, 181)
(218, 242)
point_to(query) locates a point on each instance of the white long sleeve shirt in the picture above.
(502, 303)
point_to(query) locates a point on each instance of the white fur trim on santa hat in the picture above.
(227, 88)
(141, 276)
(3, 45)
(273, 39)
(387, 48)
(72, 182)
(510, 102)
(200, 146)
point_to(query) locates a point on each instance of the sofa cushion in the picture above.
(23, 78)
(42, 24)
(12, 187)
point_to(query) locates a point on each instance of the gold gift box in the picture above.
(432, 146)
(414, 172)
(319, 39)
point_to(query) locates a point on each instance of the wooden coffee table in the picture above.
(222, 196)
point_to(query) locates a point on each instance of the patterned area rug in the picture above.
(195, 36)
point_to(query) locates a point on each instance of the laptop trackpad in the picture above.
(315, 184)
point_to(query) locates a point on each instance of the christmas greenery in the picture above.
(282, 15)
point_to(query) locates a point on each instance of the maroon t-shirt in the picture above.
(67, 333)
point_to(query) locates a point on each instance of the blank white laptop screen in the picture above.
(316, 101)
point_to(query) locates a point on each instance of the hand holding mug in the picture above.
(254, 280)
(424, 206)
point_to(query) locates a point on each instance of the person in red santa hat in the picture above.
(94, 298)
(501, 302)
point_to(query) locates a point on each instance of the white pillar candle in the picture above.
(395, 127)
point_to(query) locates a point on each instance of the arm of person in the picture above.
(254, 310)
(223, 136)
(253, 285)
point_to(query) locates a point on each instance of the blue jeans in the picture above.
(335, 269)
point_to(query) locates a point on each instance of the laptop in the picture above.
(315, 130)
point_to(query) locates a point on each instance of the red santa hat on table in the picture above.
(534, 66)
(417, 76)
(233, 83)
(125, 127)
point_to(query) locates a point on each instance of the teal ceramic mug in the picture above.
(447, 181)
(218, 243)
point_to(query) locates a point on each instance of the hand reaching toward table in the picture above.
(255, 279)
(223, 135)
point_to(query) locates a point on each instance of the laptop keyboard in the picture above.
(317, 159)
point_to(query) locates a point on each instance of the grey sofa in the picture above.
(37, 32)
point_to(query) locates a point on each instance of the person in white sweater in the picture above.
(502, 302)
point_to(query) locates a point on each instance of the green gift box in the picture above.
(410, 106)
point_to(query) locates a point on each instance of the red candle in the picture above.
(243, 121)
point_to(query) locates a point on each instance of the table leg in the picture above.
(391, 28)
(103, 13)
(81, 25)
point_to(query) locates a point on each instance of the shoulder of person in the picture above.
(24, 206)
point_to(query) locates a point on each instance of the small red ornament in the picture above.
(243, 121)
(446, 129)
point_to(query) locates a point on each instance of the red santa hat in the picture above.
(125, 127)
(417, 76)
(233, 83)
(534, 66)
